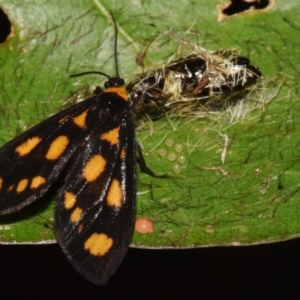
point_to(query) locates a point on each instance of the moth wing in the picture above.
(32, 161)
(96, 205)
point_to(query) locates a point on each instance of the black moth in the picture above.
(95, 211)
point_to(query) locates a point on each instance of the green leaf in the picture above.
(239, 182)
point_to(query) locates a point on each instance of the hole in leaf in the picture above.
(5, 26)
(238, 6)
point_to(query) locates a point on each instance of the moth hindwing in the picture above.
(92, 146)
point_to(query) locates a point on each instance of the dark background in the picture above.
(254, 271)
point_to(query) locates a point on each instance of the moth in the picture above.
(92, 146)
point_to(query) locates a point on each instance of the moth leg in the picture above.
(142, 163)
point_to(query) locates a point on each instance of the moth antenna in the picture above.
(90, 72)
(116, 45)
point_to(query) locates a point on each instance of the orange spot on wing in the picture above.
(123, 152)
(28, 146)
(115, 194)
(80, 228)
(70, 200)
(94, 168)
(98, 244)
(80, 120)
(57, 147)
(111, 136)
(37, 181)
(22, 185)
(76, 215)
